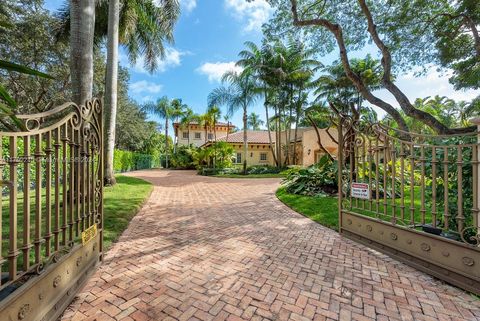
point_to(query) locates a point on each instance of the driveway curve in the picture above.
(205, 248)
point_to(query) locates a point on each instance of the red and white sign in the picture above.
(360, 190)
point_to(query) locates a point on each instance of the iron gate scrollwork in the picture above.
(52, 195)
(413, 196)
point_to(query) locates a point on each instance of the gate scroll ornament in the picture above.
(422, 204)
(52, 192)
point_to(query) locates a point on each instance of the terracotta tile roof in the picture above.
(253, 137)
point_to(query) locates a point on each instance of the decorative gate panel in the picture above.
(52, 210)
(414, 197)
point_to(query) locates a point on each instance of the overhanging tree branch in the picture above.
(401, 98)
(336, 30)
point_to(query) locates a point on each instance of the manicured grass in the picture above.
(323, 210)
(121, 203)
(280, 175)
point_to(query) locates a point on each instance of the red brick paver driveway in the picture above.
(226, 249)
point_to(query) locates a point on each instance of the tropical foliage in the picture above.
(316, 180)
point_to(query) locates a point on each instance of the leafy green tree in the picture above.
(241, 93)
(29, 41)
(401, 31)
(458, 42)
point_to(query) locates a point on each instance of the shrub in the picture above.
(125, 161)
(263, 169)
(217, 156)
(183, 158)
(316, 180)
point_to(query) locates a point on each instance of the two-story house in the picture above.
(197, 134)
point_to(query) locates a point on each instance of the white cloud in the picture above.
(188, 5)
(144, 86)
(255, 13)
(215, 70)
(173, 58)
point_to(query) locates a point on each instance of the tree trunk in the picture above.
(82, 15)
(297, 118)
(319, 137)
(111, 89)
(270, 135)
(166, 142)
(279, 137)
(245, 140)
(228, 129)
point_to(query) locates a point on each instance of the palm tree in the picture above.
(162, 109)
(215, 114)
(240, 94)
(254, 121)
(142, 27)
(82, 13)
(205, 120)
(178, 109)
(256, 60)
(111, 90)
(188, 117)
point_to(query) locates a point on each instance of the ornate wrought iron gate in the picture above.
(415, 197)
(52, 210)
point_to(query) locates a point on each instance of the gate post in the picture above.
(340, 170)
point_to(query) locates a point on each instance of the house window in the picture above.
(263, 156)
(210, 136)
(198, 135)
(238, 158)
(185, 135)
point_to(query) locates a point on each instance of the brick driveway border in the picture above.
(205, 248)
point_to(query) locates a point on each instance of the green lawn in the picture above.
(122, 202)
(280, 175)
(323, 210)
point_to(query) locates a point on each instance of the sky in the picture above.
(208, 37)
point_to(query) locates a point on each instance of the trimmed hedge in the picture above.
(124, 161)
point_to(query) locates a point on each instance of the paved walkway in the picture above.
(226, 249)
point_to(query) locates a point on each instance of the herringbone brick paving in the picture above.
(226, 249)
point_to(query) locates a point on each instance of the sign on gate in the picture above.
(360, 190)
(413, 196)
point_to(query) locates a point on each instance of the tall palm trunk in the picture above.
(215, 128)
(111, 88)
(82, 15)
(188, 131)
(245, 140)
(269, 132)
(166, 142)
(297, 119)
(278, 136)
(228, 129)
